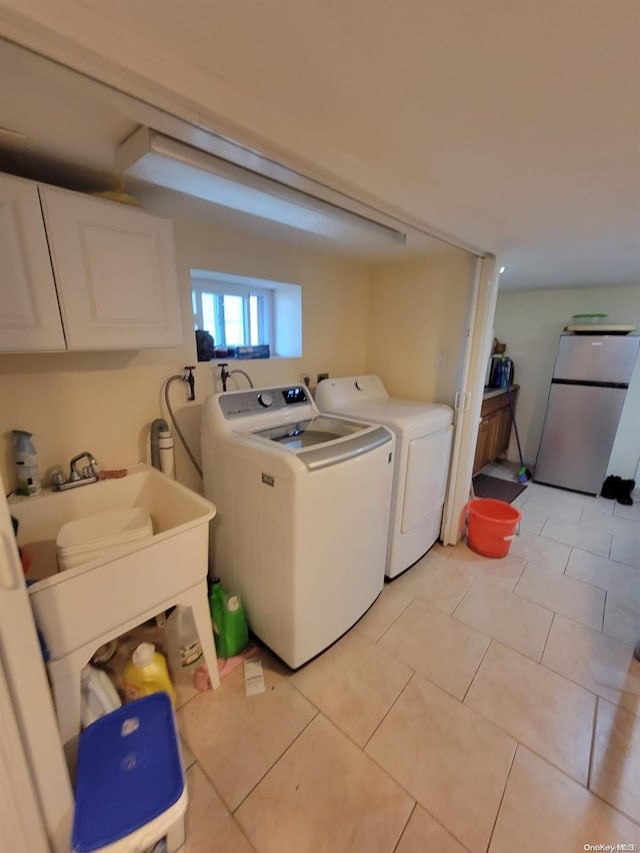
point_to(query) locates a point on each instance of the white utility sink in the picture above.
(82, 608)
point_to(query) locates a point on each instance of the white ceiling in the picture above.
(512, 125)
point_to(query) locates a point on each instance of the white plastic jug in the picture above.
(184, 652)
(98, 696)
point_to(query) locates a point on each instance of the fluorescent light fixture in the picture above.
(166, 162)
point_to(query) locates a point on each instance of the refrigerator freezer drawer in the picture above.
(579, 430)
(596, 358)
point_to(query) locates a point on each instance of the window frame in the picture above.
(220, 287)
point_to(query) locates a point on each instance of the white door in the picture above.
(35, 792)
(21, 826)
(115, 271)
(469, 398)
(29, 314)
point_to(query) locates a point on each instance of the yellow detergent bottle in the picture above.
(146, 673)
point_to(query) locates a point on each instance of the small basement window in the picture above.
(239, 311)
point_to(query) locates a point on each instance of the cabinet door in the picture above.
(29, 314)
(504, 432)
(115, 272)
(493, 431)
(483, 449)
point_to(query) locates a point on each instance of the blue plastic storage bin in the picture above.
(130, 786)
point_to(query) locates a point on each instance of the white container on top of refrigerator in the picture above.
(587, 393)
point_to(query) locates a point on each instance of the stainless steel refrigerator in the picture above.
(588, 388)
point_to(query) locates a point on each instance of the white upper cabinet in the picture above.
(114, 274)
(115, 270)
(29, 315)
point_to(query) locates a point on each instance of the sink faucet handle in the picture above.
(89, 470)
(57, 478)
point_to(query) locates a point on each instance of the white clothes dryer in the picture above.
(423, 448)
(303, 505)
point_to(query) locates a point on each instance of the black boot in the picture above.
(610, 488)
(624, 492)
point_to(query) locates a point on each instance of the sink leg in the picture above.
(202, 617)
(65, 680)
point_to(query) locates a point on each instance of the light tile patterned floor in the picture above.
(480, 705)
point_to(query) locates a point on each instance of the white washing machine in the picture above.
(423, 448)
(303, 505)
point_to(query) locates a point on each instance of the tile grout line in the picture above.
(504, 791)
(388, 628)
(400, 784)
(465, 594)
(546, 760)
(623, 814)
(282, 754)
(333, 722)
(566, 565)
(546, 639)
(231, 814)
(522, 599)
(581, 686)
(593, 743)
(404, 828)
(473, 678)
(548, 607)
(388, 711)
(436, 820)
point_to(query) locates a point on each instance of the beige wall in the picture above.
(335, 298)
(104, 402)
(405, 321)
(530, 323)
(417, 325)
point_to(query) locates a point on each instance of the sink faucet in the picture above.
(77, 476)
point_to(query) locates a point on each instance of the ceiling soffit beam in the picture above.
(138, 99)
(230, 152)
(161, 160)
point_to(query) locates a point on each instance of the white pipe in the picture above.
(165, 449)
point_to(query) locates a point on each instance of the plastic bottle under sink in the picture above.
(184, 652)
(147, 673)
(98, 696)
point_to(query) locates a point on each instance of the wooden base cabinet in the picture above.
(83, 273)
(494, 431)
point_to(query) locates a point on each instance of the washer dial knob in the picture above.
(265, 400)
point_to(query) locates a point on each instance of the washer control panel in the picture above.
(234, 403)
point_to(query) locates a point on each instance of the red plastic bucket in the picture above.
(491, 526)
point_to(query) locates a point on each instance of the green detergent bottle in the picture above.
(230, 630)
(234, 621)
(216, 604)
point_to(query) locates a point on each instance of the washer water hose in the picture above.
(225, 374)
(189, 378)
